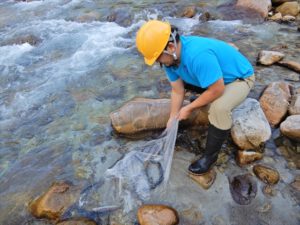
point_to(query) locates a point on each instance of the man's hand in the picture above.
(170, 122)
(184, 112)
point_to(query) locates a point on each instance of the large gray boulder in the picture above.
(250, 125)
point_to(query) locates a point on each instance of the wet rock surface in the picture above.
(80, 221)
(55, 201)
(266, 174)
(157, 215)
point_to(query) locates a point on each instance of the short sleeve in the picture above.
(172, 76)
(206, 69)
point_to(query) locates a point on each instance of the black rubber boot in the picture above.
(215, 139)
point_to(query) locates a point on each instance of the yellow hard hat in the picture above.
(152, 38)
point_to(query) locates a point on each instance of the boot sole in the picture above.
(201, 174)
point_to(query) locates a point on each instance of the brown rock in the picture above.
(77, 221)
(157, 215)
(275, 101)
(279, 2)
(276, 17)
(291, 127)
(288, 18)
(291, 65)
(206, 180)
(266, 174)
(55, 201)
(269, 57)
(141, 114)
(247, 157)
(189, 12)
(294, 108)
(289, 8)
(262, 7)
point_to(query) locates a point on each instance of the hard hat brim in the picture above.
(150, 62)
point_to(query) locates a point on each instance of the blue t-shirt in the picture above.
(203, 61)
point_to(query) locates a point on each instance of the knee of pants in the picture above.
(219, 109)
(220, 116)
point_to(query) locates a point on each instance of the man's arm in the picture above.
(177, 97)
(213, 92)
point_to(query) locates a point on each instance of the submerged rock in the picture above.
(296, 183)
(189, 12)
(205, 180)
(275, 101)
(30, 39)
(266, 174)
(78, 221)
(157, 215)
(205, 16)
(269, 191)
(291, 127)
(121, 16)
(294, 108)
(243, 189)
(250, 126)
(269, 57)
(55, 201)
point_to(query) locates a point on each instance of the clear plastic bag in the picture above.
(145, 169)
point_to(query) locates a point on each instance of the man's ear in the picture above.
(171, 47)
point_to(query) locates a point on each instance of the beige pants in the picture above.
(235, 93)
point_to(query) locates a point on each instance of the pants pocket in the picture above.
(250, 81)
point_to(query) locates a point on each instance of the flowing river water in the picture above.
(64, 67)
